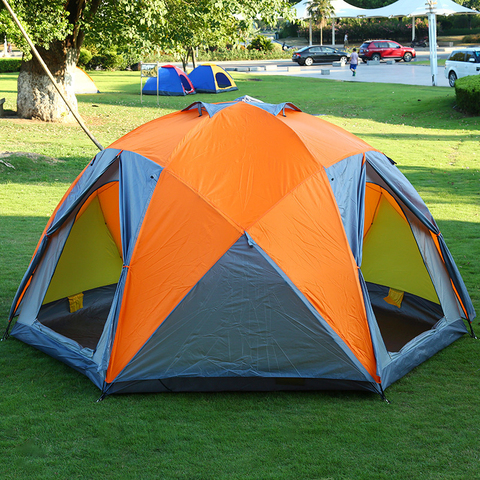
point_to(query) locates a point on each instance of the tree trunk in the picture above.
(194, 59)
(37, 97)
(184, 59)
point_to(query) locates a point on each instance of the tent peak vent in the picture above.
(213, 108)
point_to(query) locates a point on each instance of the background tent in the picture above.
(83, 82)
(210, 78)
(167, 268)
(170, 80)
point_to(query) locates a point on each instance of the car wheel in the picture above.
(376, 57)
(452, 77)
(343, 59)
(309, 61)
(407, 57)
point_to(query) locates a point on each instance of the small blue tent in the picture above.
(210, 78)
(171, 81)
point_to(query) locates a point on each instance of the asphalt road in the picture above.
(403, 73)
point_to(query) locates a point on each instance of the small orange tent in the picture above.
(241, 246)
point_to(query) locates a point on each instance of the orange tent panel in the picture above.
(181, 238)
(327, 142)
(304, 235)
(146, 140)
(251, 162)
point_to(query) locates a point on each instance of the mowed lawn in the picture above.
(50, 423)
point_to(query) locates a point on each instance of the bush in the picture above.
(467, 91)
(289, 30)
(84, 57)
(108, 61)
(10, 65)
(471, 38)
(360, 30)
(261, 43)
(223, 54)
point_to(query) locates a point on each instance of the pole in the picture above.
(50, 76)
(333, 31)
(413, 29)
(432, 39)
(310, 32)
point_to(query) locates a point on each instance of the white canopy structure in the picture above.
(341, 10)
(401, 8)
(417, 8)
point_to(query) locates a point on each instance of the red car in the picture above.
(385, 49)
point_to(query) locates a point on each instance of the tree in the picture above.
(371, 3)
(58, 29)
(189, 24)
(319, 11)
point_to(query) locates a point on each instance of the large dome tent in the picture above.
(195, 255)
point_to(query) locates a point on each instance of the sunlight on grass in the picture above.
(51, 426)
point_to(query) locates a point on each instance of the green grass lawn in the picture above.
(50, 424)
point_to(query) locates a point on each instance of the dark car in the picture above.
(385, 49)
(319, 54)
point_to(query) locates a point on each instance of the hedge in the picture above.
(10, 65)
(467, 91)
(369, 29)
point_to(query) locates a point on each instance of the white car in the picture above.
(462, 63)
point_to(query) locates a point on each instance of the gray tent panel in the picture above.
(243, 320)
(347, 179)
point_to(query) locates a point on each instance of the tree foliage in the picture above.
(320, 11)
(106, 22)
(137, 25)
(58, 28)
(188, 24)
(370, 3)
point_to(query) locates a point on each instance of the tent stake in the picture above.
(50, 76)
(382, 394)
(472, 333)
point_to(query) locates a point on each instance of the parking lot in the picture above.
(405, 73)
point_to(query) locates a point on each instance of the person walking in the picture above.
(354, 62)
(345, 41)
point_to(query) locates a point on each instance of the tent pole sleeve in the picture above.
(50, 76)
